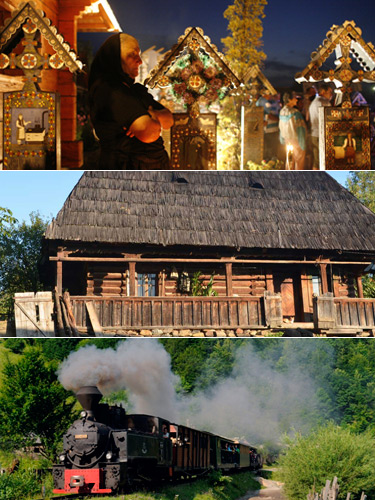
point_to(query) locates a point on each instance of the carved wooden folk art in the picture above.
(347, 138)
(252, 133)
(194, 142)
(344, 130)
(31, 116)
(347, 42)
(195, 71)
(198, 76)
(258, 83)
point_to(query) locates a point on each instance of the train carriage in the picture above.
(191, 450)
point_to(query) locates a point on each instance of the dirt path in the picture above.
(271, 491)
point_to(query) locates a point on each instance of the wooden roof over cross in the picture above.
(191, 37)
(347, 42)
(29, 19)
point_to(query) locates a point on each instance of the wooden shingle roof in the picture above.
(271, 210)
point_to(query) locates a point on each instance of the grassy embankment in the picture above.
(216, 487)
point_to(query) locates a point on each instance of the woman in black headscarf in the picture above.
(126, 118)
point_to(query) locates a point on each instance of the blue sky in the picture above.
(292, 29)
(24, 192)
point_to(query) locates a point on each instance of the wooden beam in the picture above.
(323, 275)
(228, 276)
(59, 277)
(359, 287)
(96, 326)
(223, 260)
(132, 287)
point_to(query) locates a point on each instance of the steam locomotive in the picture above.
(107, 449)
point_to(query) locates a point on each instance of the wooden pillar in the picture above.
(306, 296)
(359, 287)
(228, 274)
(132, 287)
(161, 287)
(323, 275)
(59, 276)
(71, 149)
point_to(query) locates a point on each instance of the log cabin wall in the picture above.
(107, 280)
(245, 281)
(344, 285)
(114, 280)
(341, 283)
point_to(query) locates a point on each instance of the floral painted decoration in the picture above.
(196, 78)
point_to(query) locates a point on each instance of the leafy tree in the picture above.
(368, 283)
(6, 220)
(20, 252)
(353, 384)
(362, 185)
(188, 359)
(219, 364)
(16, 345)
(33, 404)
(243, 50)
(329, 451)
(101, 343)
(243, 45)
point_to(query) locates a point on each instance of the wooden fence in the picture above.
(34, 314)
(355, 312)
(342, 312)
(175, 312)
(330, 492)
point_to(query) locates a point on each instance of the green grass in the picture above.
(215, 487)
(4, 352)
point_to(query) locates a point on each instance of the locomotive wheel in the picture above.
(130, 477)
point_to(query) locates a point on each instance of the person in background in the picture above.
(323, 99)
(308, 96)
(271, 107)
(293, 131)
(126, 118)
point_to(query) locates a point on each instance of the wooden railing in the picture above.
(355, 312)
(179, 312)
(342, 312)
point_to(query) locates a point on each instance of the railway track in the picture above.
(68, 497)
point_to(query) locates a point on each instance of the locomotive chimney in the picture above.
(89, 397)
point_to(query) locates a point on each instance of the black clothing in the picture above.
(116, 102)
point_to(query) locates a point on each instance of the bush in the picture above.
(330, 451)
(18, 485)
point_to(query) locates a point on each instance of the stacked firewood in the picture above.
(65, 322)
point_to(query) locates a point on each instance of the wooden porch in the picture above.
(343, 314)
(73, 315)
(175, 312)
(355, 312)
